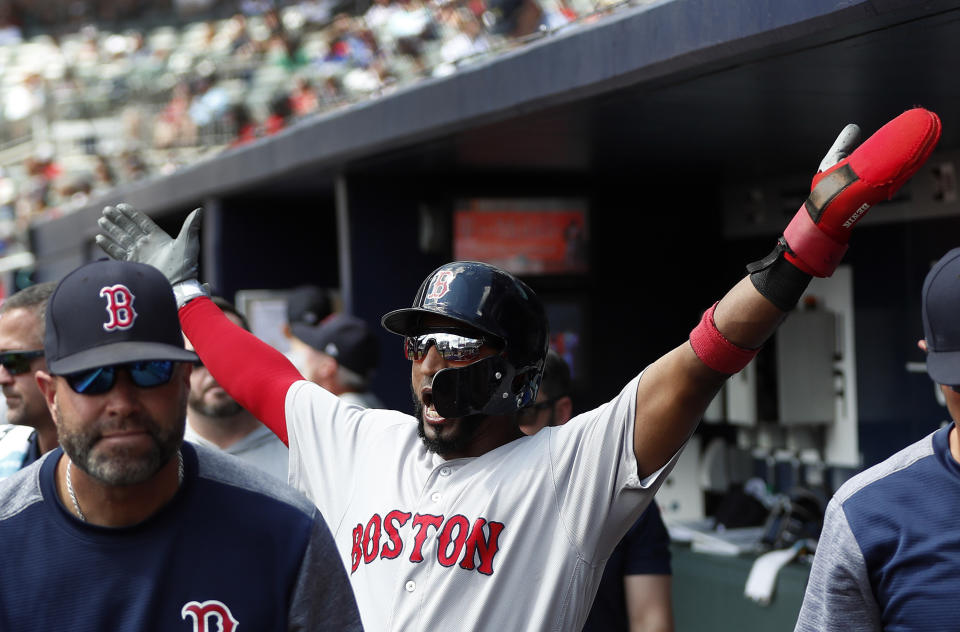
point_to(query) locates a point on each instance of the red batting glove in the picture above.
(842, 193)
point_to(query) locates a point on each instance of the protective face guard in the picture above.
(483, 387)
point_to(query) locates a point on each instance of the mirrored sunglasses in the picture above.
(147, 374)
(18, 362)
(451, 347)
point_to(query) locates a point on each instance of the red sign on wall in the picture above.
(523, 236)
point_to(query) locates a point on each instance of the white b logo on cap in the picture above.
(119, 307)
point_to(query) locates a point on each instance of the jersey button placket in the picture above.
(444, 472)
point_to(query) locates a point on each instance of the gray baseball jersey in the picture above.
(513, 540)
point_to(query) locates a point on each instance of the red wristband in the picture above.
(714, 350)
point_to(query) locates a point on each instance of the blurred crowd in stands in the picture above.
(94, 95)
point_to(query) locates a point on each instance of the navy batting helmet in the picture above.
(505, 310)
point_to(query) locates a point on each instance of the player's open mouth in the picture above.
(430, 414)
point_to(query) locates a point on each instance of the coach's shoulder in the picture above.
(21, 489)
(226, 469)
(889, 472)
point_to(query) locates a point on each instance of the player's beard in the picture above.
(466, 431)
(227, 407)
(120, 467)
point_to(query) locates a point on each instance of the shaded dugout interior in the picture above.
(664, 118)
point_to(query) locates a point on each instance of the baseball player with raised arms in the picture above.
(452, 519)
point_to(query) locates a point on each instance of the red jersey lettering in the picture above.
(357, 552)
(391, 525)
(485, 547)
(422, 523)
(447, 539)
(475, 547)
(371, 539)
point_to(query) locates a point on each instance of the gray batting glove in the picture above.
(129, 235)
(841, 148)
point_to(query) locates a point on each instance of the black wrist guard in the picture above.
(781, 282)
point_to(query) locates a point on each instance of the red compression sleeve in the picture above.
(254, 373)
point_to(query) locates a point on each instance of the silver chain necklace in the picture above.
(73, 495)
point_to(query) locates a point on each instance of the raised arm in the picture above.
(676, 389)
(254, 373)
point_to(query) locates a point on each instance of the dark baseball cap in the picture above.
(346, 338)
(941, 319)
(308, 305)
(112, 312)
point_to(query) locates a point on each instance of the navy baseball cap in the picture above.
(346, 338)
(941, 319)
(112, 312)
(307, 305)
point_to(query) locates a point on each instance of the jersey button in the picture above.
(435, 497)
(444, 471)
(411, 586)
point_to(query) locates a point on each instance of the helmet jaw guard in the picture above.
(490, 386)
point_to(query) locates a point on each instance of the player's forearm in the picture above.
(254, 373)
(676, 390)
(649, 603)
(745, 317)
(653, 621)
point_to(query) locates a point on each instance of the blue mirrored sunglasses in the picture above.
(100, 380)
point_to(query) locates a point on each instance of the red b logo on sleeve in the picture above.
(119, 308)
